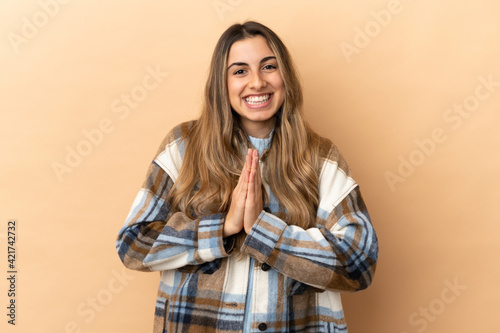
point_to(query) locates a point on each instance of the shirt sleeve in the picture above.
(339, 253)
(154, 238)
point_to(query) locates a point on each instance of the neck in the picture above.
(259, 130)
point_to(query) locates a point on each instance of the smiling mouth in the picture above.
(257, 100)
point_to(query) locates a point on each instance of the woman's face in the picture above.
(255, 87)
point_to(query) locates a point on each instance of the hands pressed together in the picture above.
(246, 202)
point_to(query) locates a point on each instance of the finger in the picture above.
(253, 168)
(246, 166)
(257, 168)
(240, 193)
(252, 182)
(258, 177)
(246, 175)
(244, 185)
(251, 185)
(255, 160)
(257, 185)
(241, 179)
(248, 160)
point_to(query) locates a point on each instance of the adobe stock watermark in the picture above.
(363, 36)
(453, 118)
(425, 315)
(31, 25)
(121, 107)
(223, 6)
(89, 309)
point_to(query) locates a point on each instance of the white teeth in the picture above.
(256, 100)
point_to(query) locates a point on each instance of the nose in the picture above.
(257, 82)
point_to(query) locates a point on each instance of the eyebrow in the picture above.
(245, 64)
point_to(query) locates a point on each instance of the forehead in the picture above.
(249, 50)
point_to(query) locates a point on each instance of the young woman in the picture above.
(253, 219)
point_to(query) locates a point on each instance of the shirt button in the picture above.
(262, 327)
(265, 267)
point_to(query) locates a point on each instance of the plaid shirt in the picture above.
(297, 276)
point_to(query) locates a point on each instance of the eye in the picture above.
(269, 66)
(239, 72)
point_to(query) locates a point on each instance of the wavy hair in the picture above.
(216, 144)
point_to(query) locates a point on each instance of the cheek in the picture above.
(281, 88)
(233, 88)
(278, 83)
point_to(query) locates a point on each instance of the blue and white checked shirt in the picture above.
(293, 276)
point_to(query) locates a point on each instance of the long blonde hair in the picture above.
(216, 144)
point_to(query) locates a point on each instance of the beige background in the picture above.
(380, 97)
